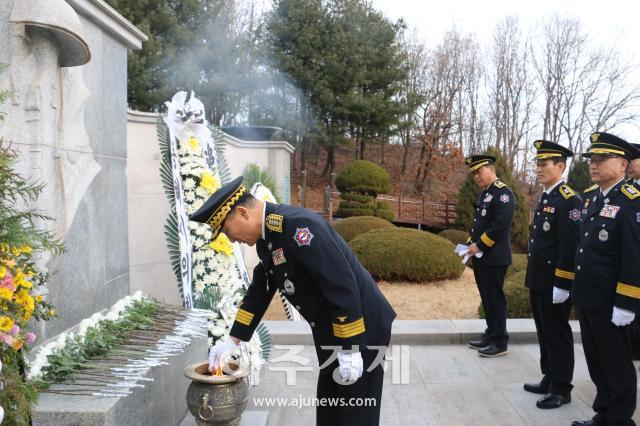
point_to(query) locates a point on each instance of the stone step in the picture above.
(420, 332)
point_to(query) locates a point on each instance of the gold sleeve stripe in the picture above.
(485, 239)
(351, 329)
(244, 317)
(628, 290)
(565, 274)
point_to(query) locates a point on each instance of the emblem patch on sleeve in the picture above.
(274, 222)
(504, 198)
(574, 214)
(278, 257)
(303, 236)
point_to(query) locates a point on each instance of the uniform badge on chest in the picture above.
(488, 198)
(549, 209)
(289, 288)
(278, 257)
(483, 212)
(609, 211)
(603, 235)
(546, 226)
(303, 236)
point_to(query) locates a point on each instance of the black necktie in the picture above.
(599, 202)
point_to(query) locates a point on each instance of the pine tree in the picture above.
(579, 178)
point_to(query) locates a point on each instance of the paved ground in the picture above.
(448, 385)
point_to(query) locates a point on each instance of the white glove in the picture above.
(219, 350)
(351, 365)
(560, 295)
(622, 317)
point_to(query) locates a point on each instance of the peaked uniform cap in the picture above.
(547, 149)
(215, 210)
(476, 161)
(608, 144)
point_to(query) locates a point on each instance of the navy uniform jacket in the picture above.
(553, 240)
(315, 269)
(492, 225)
(632, 181)
(608, 255)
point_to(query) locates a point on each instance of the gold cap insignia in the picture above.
(594, 137)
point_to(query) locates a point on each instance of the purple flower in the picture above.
(15, 330)
(30, 338)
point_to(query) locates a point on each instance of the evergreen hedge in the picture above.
(359, 183)
(351, 227)
(456, 236)
(401, 254)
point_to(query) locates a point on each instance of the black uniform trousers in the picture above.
(369, 386)
(490, 281)
(607, 349)
(555, 339)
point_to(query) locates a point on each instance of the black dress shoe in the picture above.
(553, 401)
(492, 351)
(589, 422)
(478, 344)
(541, 388)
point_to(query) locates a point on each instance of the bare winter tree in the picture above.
(446, 77)
(412, 94)
(512, 91)
(584, 89)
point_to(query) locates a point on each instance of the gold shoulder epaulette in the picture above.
(591, 188)
(566, 191)
(274, 222)
(630, 191)
(498, 184)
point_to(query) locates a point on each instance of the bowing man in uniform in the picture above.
(303, 257)
(606, 286)
(552, 248)
(491, 235)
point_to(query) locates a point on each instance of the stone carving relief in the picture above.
(45, 112)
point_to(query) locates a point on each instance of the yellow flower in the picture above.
(52, 312)
(24, 299)
(39, 298)
(26, 249)
(209, 182)
(3, 272)
(5, 293)
(193, 142)
(222, 245)
(6, 324)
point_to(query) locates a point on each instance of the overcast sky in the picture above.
(610, 20)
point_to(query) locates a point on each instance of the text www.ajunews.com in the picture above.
(303, 401)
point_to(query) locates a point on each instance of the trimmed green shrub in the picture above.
(456, 236)
(358, 198)
(401, 254)
(518, 264)
(469, 192)
(359, 184)
(360, 211)
(385, 214)
(352, 227)
(364, 177)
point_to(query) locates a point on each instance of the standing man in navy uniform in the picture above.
(302, 256)
(634, 170)
(491, 235)
(606, 286)
(552, 250)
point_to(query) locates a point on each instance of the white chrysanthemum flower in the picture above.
(189, 184)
